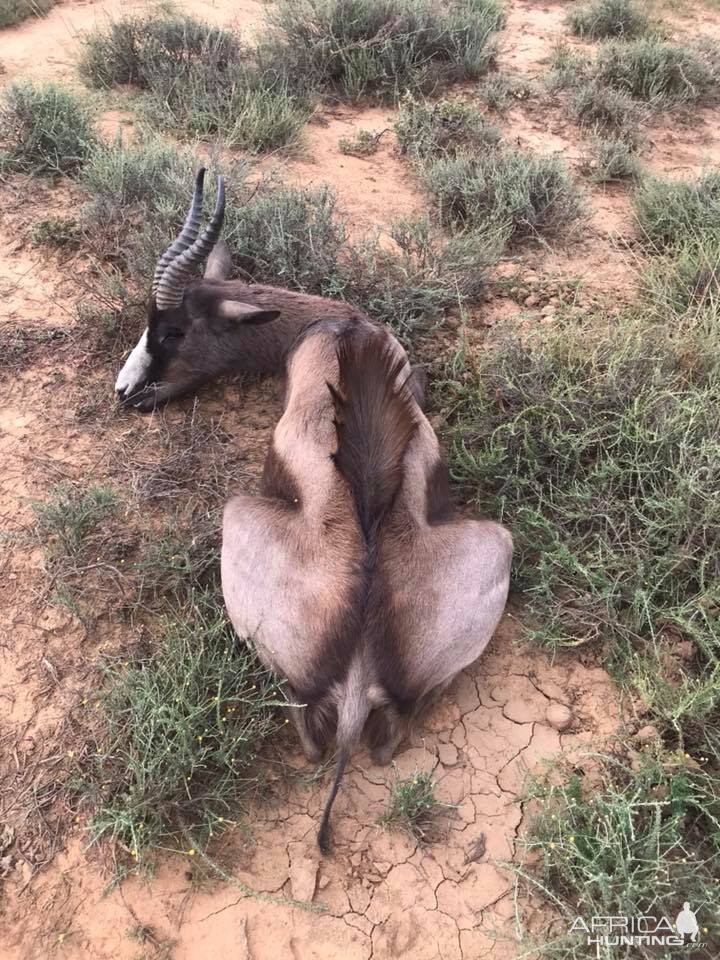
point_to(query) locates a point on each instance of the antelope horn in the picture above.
(178, 272)
(187, 235)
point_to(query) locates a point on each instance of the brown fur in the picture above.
(369, 595)
(374, 421)
(208, 345)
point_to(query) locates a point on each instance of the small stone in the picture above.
(303, 873)
(559, 716)
(323, 882)
(531, 301)
(646, 733)
(548, 310)
(53, 619)
(373, 877)
(447, 754)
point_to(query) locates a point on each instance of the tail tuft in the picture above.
(323, 834)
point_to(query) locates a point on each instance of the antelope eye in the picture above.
(172, 334)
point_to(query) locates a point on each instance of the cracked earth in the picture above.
(381, 893)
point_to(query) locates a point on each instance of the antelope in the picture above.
(351, 573)
(200, 328)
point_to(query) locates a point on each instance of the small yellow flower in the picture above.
(551, 845)
(71, 753)
(571, 839)
(191, 852)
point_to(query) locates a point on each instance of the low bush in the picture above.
(655, 71)
(379, 49)
(599, 19)
(514, 191)
(198, 81)
(612, 160)
(44, 129)
(600, 450)
(13, 11)
(178, 734)
(676, 212)
(446, 127)
(638, 844)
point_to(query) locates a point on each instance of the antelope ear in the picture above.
(244, 312)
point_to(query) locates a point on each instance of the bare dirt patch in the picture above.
(381, 893)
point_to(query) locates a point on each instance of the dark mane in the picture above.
(374, 419)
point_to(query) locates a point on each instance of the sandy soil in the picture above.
(381, 893)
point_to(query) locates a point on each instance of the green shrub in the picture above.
(653, 70)
(176, 749)
(293, 237)
(44, 128)
(638, 844)
(612, 160)
(600, 452)
(671, 212)
(498, 90)
(199, 81)
(599, 19)
(236, 104)
(138, 198)
(362, 144)
(446, 127)
(290, 236)
(412, 804)
(410, 285)
(567, 68)
(56, 231)
(606, 109)
(511, 190)
(684, 282)
(69, 519)
(142, 50)
(378, 49)
(13, 11)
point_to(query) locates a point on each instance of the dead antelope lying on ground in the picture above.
(201, 328)
(350, 572)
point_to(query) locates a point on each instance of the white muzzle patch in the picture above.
(133, 375)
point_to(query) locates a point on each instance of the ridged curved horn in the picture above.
(189, 231)
(179, 271)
